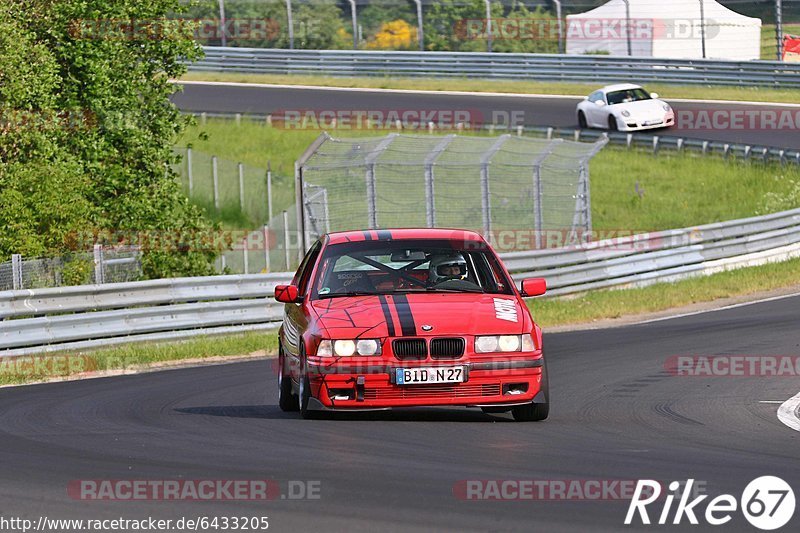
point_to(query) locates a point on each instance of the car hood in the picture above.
(407, 314)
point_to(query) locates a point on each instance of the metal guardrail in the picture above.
(72, 318)
(543, 67)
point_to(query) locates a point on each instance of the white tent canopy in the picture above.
(665, 28)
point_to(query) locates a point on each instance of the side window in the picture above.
(596, 96)
(305, 268)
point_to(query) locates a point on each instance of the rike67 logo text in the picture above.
(767, 502)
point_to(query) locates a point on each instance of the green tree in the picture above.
(95, 148)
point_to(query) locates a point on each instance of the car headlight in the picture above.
(348, 347)
(504, 343)
(667, 107)
(625, 113)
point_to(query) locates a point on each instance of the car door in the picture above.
(295, 318)
(596, 114)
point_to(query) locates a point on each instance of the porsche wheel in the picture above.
(582, 124)
(612, 124)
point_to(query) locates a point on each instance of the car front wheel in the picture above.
(286, 400)
(612, 123)
(582, 124)
(304, 395)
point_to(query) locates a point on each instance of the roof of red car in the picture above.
(400, 234)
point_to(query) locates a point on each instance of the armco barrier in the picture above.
(72, 318)
(544, 67)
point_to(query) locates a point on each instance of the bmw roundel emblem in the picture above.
(427, 327)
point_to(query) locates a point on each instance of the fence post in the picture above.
(99, 273)
(240, 167)
(269, 190)
(266, 249)
(215, 178)
(286, 238)
(189, 170)
(537, 192)
(430, 198)
(486, 201)
(16, 271)
(245, 256)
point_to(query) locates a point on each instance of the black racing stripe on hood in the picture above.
(367, 235)
(384, 235)
(387, 315)
(407, 325)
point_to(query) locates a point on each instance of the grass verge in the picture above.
(698, 92)
(606, 304)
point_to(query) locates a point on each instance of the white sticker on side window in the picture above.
(505, 309)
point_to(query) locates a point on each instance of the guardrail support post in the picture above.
(705, 147)
(679, 144)
(726, 150)
(747, 150)
(655, 145)
(16, 271)
(215, 179)
(99, 271)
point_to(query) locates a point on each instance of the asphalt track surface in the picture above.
(534, 110)
(616, 414)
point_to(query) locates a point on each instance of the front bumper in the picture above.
(490, 383)
(636, 124)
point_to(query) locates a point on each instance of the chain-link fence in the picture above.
(104, 265)
(274, 248)
(487, 184)
(228, 187)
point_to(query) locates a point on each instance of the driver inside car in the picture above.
(446, 268)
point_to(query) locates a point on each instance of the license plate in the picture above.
(436, 374)
(652, 122)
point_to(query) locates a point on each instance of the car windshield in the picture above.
(628, 95)
(403, 266)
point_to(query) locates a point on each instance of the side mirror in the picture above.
(534, 286)
(287, 294)
(653, 95)
(599, 103)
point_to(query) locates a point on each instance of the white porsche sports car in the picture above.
(624, 107)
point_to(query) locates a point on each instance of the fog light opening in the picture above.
(338, 395)
(514, 389)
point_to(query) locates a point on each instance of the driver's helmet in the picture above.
(444, 267)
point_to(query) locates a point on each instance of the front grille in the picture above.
(447, 348)
(410, 348)
(462, 390)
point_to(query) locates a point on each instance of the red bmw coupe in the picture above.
(408, 318)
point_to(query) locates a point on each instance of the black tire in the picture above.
(287, 400)
(532, 412)
(304, 395)
(536, 411)
(612, 124)
(582, 124)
